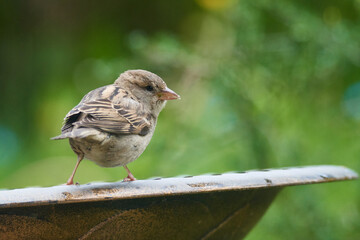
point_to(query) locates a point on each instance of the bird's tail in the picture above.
(62, 136)
(77, 133)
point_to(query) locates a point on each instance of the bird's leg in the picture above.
(130, 177)
(71, 178)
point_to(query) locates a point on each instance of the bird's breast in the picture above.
(108, 150)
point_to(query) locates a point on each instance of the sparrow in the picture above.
(113, 125)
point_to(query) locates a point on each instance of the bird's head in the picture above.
(147, 87)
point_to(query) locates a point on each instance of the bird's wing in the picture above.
(110, 109)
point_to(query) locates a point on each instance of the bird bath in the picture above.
(212, 206)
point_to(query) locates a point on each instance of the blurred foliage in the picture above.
(263, 84)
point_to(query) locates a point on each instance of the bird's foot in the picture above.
(129, 179)
(72, 183)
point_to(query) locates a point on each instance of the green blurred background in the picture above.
(264, 84)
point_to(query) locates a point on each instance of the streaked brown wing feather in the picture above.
(98, 111)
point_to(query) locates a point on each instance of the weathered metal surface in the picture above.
(175, 186)
(229, 215)
(224, 206)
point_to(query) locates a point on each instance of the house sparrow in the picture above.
(112, 125)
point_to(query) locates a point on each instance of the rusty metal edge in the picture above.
(255, 179)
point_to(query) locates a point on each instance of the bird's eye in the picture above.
(149, 88)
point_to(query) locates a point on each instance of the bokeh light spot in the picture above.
(351, 101)
(9, 145)
(215, 4)
(137, 40)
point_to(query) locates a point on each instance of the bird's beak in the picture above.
(168, 94)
